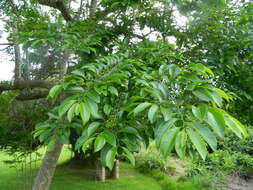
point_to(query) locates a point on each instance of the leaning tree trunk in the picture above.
(46, 172)
(44, 177)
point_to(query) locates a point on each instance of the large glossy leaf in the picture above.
(152, 111)
(86, 144)
(180, 144)
(55, 91)
(93, 95)
(216, 98)
(200, 111)
(197, 142)
(108, 156)
(129, 156)
(168, 140)
(161, 129)
(109, 137)
(84, 112)
(141, 107)
(71, 112)
(93, 109)
(64, 107)
(99, 143)
(235, 125)
(216, 121)
(206, 134)
(202, 94)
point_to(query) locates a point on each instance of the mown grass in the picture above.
(69, 178)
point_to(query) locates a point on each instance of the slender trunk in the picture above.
(115, 170)
(93, 7)
(46, 172)
(100, 171)
(44, 177)
(17, 70)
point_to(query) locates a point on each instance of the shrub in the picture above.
(232, 143)
(150, 161)
(227, 161)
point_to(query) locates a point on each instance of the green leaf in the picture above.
(168, 140)
(79, 73)
(55, 91)
(84, 112)
(202, 94)
(71, 112)
(64, 107)
(107, 109)
(86, 144)
(200, 111)
(166, 113)
(198, 143)
(222, 93)
(152, 111)
(109, 137)
(216, 121)
(94, 109)
(206, 134)
(92, 128)
(108, 156)
(180, 144)
(235, 125)
(129, 156)
(161, 129)
(130, 130)
(217, 98)
(99, 143)
(93, 95)
(113, 90)
(141, 107)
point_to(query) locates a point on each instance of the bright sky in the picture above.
(6, 65)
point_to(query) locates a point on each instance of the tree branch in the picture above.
(60, 5)
(29, 84)
(6, 44)
(32, 96)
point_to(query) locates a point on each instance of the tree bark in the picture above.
(100, 171)
(115, 170)
(46, 172)
(17, 70)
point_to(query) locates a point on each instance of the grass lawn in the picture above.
(67, 178)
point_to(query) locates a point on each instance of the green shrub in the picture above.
(233, 144)
(150, 161)
(226, 161)
(168, 183)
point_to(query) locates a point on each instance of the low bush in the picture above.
(233, 144)
(168, 183)
(234, 163)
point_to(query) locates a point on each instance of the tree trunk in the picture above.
(46, 172)
(17, 70)
(100, 171)
(115, 170)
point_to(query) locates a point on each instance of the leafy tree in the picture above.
(120, 88)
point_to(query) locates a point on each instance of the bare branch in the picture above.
(60, 5)
(6, 44)
(26, 84)
(32, 95)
